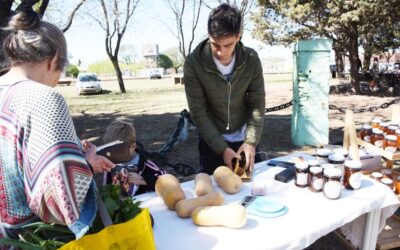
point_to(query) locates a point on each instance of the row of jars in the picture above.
(381, 134)
(385, 176)
(327, 177)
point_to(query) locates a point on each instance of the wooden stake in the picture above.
(350, 137)
(396, 114)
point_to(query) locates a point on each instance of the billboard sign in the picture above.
(150, 50)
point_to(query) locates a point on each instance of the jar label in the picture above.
(301, 179)
(317, 183)
(367, 138)
(332, 189)
(379, 143)
(355, 180)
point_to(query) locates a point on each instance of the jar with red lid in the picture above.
(377, 137)
(366, 132)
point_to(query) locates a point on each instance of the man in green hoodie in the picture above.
(224, 87)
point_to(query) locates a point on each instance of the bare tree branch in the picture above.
(71, 16)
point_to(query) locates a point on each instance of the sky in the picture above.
(151, 24)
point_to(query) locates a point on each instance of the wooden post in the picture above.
(350, 137)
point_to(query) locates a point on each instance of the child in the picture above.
(138, 175)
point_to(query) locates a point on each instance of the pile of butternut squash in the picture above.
(207, 208)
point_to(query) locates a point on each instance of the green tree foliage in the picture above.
(177, 59)
(346, 22)
(72, 71)
(165, 62)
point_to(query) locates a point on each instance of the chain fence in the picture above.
(181, 130)
(340, 109)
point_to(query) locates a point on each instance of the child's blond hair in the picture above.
(120, 130)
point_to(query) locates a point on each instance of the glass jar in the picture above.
(312, 163)
(397, 185)
(388, 182)
(387, 173)
(322, 155)
(352, 175)
(326, 166)
(337, 160)
(377, 176)
(301, 177)
(384, 126)
(366, 133)
(390, 144)
(377, 137)
(398, 137)
(392, 130)
(332, 183)
(341, 151)
(375, 122)
(315, 180)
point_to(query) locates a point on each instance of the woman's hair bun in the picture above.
(25, 18)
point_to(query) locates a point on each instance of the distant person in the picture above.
(224, 87)
(45, 169)
(144, 172)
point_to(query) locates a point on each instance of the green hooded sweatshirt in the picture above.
(220, 107)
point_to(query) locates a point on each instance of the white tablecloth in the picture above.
(310, 216)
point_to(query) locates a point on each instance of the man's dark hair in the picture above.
(225, 20)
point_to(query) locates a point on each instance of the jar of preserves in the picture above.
(392, 130)
(322, 155)
(337, 160)
(332, 183)
(326, 166)
(341, 151)
(352, 175)
(312, 163)
(301, 177)
(375, 122)
(377, 176)
(390, 144)
(398, 137)
(397, 185)
(366, 133)
(384, 126)
(316, 180)
(388, 182)
(377, 137)
(387, 173)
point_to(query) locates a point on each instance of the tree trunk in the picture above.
(115, 63)
(339, 61)
(367, 60)
(354, 59)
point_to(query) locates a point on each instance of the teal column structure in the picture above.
(311, 75)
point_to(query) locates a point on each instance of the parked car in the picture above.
(88, 83)
(154, 74)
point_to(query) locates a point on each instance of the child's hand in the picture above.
(136, 179)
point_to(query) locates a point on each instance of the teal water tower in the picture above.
(311, 75)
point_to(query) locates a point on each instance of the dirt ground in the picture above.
(161, 118)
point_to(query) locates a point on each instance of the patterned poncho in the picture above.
(43, 171)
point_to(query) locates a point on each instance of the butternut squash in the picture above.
(168, 187)
(227, 180)
(184, 208)
(232, 216)
(203, 184)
